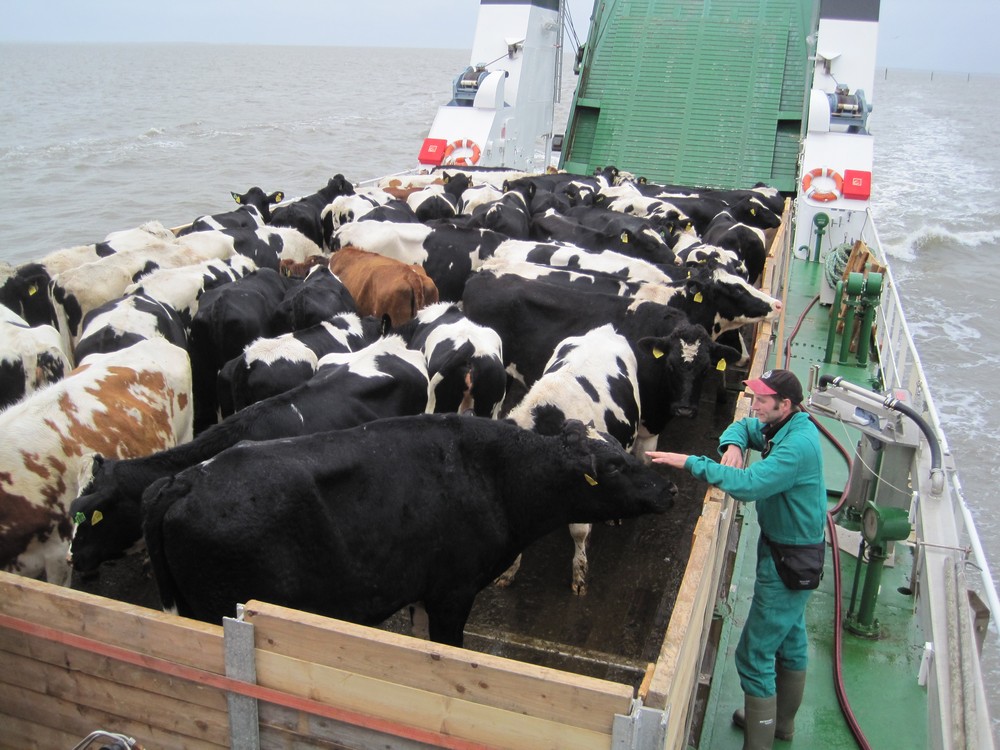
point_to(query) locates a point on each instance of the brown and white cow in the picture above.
(125, 404)
(383, 286)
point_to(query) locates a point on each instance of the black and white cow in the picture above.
(532, 317)
(305, 213)
(181, 288)
(253, 213)
(270, 366)
(477, 492)
(440, 201)
(31, 357)
(128, 320)
(464, 360)
(593, 378)
(382, 380)
(448, 254)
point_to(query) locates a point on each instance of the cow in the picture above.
(476, 493)
(464, 360)
(592, 378)
(20, 286)
(304, 214)
(181, 288)
(270, 366)
(318, 297)
(532, 317)
(383, 286)
(123, 404)
(31, 357)
(447, 253)
(440, 202)
(229, 317)
(745, 239)
(347, 208)
(384, 379)
(126, 321)
(253, 213)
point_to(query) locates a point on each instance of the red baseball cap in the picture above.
(781, 383)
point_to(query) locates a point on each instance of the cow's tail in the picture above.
(157, 500)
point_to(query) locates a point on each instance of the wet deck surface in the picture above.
(636, 568)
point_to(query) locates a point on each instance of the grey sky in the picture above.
(914, 34)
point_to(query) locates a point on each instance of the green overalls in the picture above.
(788, 488)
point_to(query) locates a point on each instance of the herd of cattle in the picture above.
(367, 398)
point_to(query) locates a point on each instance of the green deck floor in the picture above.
(880, 675)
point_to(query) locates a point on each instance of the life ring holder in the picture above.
(462, 161)
(829, 195)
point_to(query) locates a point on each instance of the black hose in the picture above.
(891, 402)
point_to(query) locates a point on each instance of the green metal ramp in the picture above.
(704, 93)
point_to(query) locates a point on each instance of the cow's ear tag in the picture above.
(33, 289)
(698, 297)
(721, 366)
(753, 211)
(279, 196)
(96, 518)
(79, 517)
(590, 480)
(625, 237)
(236, 197)
(657, 352)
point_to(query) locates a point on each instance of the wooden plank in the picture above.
(421, 709)
(129, 710)
(138, 678)
(20, 734)
(51, 712)
(284, 727)
(129, 626)
(570, 699)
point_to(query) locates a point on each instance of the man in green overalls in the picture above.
(788, 488)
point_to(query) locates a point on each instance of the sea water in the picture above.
(98, 138)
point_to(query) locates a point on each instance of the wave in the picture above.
(935, 235)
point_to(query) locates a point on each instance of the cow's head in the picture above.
(604, 482)
(107, 520)
(25, 290)
(258, 199)
(672, 370)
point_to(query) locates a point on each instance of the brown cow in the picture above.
(383, 286)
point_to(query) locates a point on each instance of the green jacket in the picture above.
(787, 485)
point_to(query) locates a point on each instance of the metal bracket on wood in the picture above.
(244, 724)
(643, 729)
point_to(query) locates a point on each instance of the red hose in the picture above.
(838, 635)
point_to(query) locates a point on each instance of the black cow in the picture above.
(229, 317)
(384, 379)
(319, 297)
(291, 521)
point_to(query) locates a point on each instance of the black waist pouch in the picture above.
(800, 566)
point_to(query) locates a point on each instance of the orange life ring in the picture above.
(461, 161)
(829, 195)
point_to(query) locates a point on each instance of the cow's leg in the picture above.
(507, 577)
(580, 533)
(447, 618)
(419, 627)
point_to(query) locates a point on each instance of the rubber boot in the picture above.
(790, 685)
(757, 719)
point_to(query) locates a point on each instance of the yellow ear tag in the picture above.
(625, 237)
(721, 366)
(279, 196)
(590, 480)
(698, 297)
(96, 518)
(753, 211)
(657, 352)
(237, 198)
(33, 289)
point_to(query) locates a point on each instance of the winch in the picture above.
(466, 85)
(849, 109)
